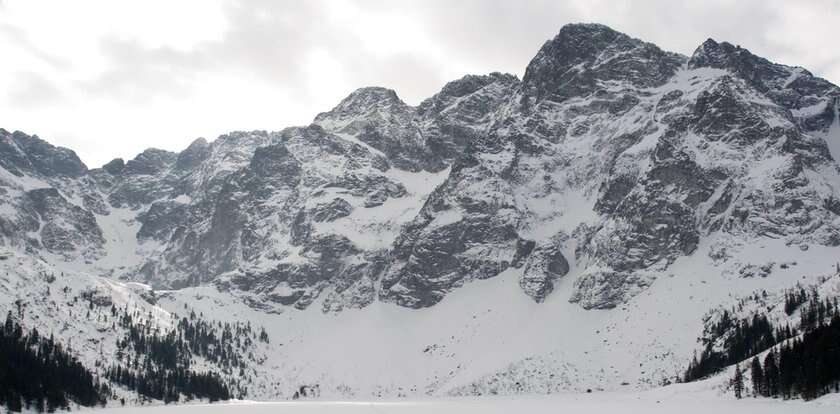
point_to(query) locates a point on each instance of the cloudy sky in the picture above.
(111, 78)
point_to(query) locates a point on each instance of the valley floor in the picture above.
(685, 399)
(574, 403)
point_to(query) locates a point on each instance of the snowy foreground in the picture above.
(554, 404)
(664, 400)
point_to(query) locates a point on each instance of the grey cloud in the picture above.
(498, 35)
(264, 38)
(32, 89)
(504, 35)
(271, 40)
(139, 74)
(507, 34)
(20, 38)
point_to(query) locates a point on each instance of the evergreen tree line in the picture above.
(807, 367)
(806, 364)
(169, 384)
(158, 365)
(795, 298)
(37, 373)
(748, 337)
(226, 345)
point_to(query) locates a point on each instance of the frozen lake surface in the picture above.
(566, 403)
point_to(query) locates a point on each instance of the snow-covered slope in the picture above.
(562, 232)
(85, 314)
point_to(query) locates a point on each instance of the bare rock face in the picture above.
(380, 119)
(610, 160)
(546, 264)
(115, 166)
(519, 156)
(461, 111)
(331, 211)
(64, 227)
(607, 289)
(140, 181)
(583, 56)
(667, 152)
(21, 154)
(47, 199)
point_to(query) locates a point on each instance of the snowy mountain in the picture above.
(503, 236)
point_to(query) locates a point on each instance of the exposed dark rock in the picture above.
(335, 209)
(115, 166)
(545, 265)
(23, 154)
(65, 228)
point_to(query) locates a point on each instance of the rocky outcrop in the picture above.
(21, 154)
(380, 119)
(62, 227)
(546, 264)
(583, 56)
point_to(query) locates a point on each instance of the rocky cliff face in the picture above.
(621, 157)
(610, 160)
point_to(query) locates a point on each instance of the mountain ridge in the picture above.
(581, 60)
(607, 200)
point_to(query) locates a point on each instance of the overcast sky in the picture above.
(111, 78)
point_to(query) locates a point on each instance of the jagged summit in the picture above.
(752, 68)
(21, 154)
(150, 161)
(723, 55)
(588, 35)
(364, 101)
(114, 166)
(462, 87)
(197, 143)
(581, 55)
(789, 86)
(193, 155)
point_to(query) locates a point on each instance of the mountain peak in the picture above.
(363, 102)
(464, 86)
(20, 153)
(370, 96)
(198, 143)
(787, 85)
(114, 166)
(196, 152)
(584, 38)
(375, 92)
(149, 162)
(572, 63)
(588, 29)
(720, 55)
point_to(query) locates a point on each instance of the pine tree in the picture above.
(757, 377)
(738, 382)
(771, 375)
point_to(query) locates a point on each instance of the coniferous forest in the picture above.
(806, 367)
(161, 364)
(38, 373)
(802, 361)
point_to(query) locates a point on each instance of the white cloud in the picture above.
(112, 78)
